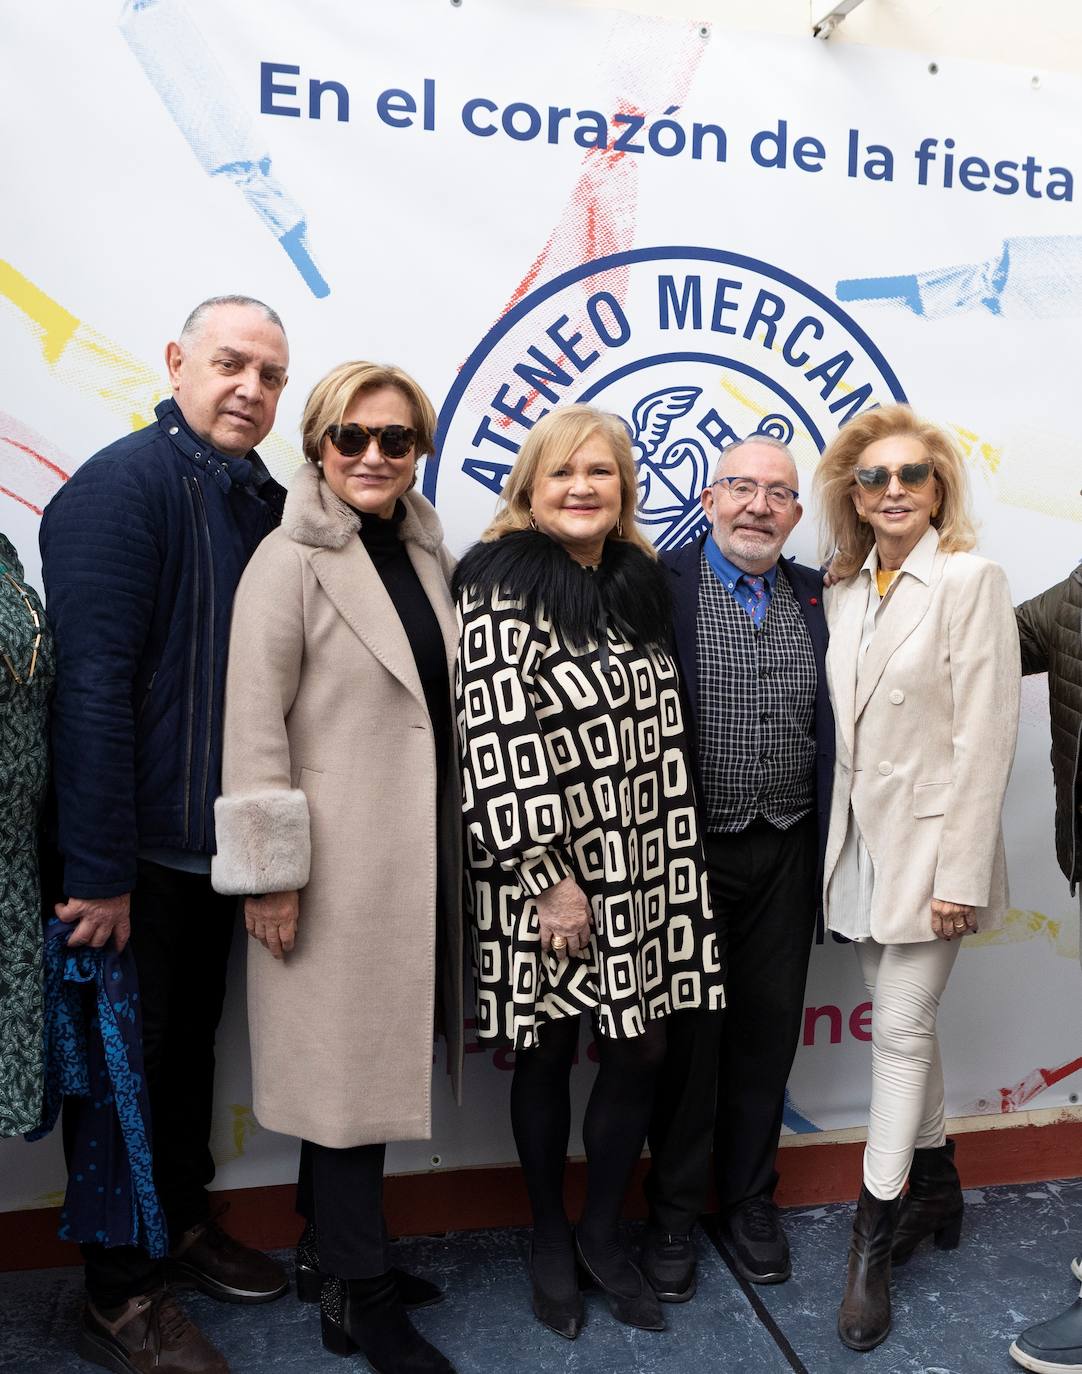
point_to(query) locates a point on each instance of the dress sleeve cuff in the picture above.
(542, 871)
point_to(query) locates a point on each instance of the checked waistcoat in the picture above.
(756, 709)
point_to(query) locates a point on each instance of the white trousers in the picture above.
(905, 983)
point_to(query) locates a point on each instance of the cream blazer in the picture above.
(926, 730)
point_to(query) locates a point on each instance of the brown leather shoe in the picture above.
(150, 1334)
(221, 1266)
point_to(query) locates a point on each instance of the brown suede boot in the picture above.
(864, 1316)
(933, 1205)
(150, 1334)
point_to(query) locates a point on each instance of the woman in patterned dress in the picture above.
(586, 884)
(26, 677)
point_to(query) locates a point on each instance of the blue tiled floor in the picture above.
(955, 1313)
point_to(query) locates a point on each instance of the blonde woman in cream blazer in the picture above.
(923, 670)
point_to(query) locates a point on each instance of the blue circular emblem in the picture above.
(693, 347)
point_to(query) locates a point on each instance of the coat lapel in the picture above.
(356, 591)
(684, 567)
(850, 602)
(910, 601)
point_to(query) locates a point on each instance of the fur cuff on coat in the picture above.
(264, 843)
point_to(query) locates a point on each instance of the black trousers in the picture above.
(341, 1192)
(181, 933)
(723, 1083)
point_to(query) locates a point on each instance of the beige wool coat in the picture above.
(329, 787)
(926, 730)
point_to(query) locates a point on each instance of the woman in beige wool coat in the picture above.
(340, 823)
(924, 674)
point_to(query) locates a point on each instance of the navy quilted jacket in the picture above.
(141, 552)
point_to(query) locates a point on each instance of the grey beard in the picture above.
(754, 551)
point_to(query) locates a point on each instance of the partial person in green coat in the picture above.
(26, 677)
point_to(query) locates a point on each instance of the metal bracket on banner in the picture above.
(825, 21)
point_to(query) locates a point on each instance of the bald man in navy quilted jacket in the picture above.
(142, 551)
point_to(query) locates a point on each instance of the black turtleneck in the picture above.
(391, 560)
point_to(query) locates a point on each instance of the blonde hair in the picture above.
(548, 446)
(330, 398)
(843, 530)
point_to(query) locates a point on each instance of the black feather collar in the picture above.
(628, 591)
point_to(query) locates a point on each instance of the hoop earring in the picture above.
(862, 517)
(620, 529)
(533, 522)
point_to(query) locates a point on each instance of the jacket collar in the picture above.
(9, 558)
(222, 468)
(315, 516)
(920, 561)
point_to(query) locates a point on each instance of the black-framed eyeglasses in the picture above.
(742, 490)
(395, 441)
(912, 476)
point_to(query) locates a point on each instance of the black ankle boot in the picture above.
(306, 1272)
(367, 1315)
(933, 1206)
(413, 1290)
(864, 1316)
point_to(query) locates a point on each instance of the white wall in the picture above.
(1037, 33)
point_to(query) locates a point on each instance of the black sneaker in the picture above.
(1053, 1345)
(756, 1241)
(668, 1264)
(220, 1265)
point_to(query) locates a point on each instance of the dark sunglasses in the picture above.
(394, 441)
(912, 476)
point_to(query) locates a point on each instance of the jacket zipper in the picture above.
(210, 664)
(191, 663)
(146, 696)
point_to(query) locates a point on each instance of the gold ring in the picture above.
(559, 942)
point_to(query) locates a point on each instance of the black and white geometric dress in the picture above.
(575, 764)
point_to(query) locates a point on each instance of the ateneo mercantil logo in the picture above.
(693, 347)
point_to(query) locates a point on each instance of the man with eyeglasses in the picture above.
(1051, 639)
(751, 642)
(142, 551)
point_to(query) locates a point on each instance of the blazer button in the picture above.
(896, 695)
(886, 768)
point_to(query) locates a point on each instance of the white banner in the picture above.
(525, 204)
